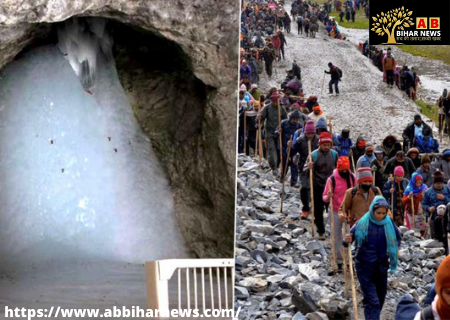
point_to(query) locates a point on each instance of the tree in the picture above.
(394, 18)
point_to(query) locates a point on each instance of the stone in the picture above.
(241, 292)
(430, 243)
(435, 252)
(298, 316)
(259, 255)
(308, 272)
(314, 246)
(253, 284)
(275, 279)
(264, 229)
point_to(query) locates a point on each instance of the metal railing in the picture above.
(160, 272)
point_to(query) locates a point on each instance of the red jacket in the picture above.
(276, 42)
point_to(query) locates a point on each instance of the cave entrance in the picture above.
(88, 188)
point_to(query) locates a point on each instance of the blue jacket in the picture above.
(365, 161)
(288, 130)
(346, 144)
(372, 253)
(431, 200)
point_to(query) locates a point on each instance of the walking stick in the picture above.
(323, 81)
(333, 245)
(344, 256)
(312, 190)
(284, 174)
(245, 132)
(256, 143)
(353, 162)
(352, 277)
(441, 126)
(279, 134)
(259, 135)
(392, 196)
(413, 212)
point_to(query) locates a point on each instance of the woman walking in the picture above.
(377, 241)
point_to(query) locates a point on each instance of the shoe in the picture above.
(321, 236)
(337, 93)
(330, 92)
(295, 185)
(304, 215)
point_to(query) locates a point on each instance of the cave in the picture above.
(104, 172)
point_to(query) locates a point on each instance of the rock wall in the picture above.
(196, 140)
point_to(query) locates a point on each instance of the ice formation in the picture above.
(79, 178)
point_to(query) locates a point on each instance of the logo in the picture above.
(394, 23)
(388, 22)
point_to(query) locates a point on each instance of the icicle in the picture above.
(81, 40)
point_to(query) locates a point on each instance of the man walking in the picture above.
(269, 116)
(323, 163)
(336, 75)
(389, 64)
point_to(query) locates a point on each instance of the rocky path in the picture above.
(283, 273)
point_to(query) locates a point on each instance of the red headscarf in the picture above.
(443, 281)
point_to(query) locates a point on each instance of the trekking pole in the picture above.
(245, 132)
(441, 126)
(413, 212)
(311, 188)
(279, 134)
(352, 278)
(333, 245)
(256, 143)
(284, 174)
(323, 82)
(353, 162)
(344, 256)
(392, 196)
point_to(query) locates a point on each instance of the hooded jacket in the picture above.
(390, 152)
(339, 190)
(276, 41)
(416, 161)
(321, 124)
(357, 152)
(301, 146)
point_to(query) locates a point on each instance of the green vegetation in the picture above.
(361, 22)
(429, 110)
(433, 52)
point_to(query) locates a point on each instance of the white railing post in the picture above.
(157, 289)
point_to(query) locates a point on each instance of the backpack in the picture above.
(299, 20)
(427, 313)
(333, 181)
(355, 189)
(333, 152)
(339, 72)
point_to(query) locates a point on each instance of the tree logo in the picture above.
(390, 20)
